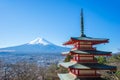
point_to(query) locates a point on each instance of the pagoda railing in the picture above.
(84, 48)
(85, 61)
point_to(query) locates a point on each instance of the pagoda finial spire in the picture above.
(82, 24)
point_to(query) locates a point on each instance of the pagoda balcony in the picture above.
(84, 58)
(84, 48)
(86, 61)
(84, 73)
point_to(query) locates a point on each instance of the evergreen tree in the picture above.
(101, 59)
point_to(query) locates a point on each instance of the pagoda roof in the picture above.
(85, 52)
(93, 40)
(89, 38)
(66, 76)
(66, 64)
(85, 66)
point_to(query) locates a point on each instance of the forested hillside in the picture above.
(25, 70)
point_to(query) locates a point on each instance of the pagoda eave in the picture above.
(87, 52)
(94, 42)
(68, 76)
(72, 53)
(113, 69)
(87, 66)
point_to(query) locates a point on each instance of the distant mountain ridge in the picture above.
(38, 45)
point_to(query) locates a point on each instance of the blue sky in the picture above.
(57, 20)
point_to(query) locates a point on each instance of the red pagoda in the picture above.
(83, 63)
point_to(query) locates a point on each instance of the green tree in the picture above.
(101, 59)
(68, 58)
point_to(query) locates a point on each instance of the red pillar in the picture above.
(95, 72)
(78, 72)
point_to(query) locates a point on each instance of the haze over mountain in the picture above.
(38, 45)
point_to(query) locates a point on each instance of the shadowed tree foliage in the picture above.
(68, 58)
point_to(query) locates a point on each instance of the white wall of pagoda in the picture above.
(83, 58)
(83, 46)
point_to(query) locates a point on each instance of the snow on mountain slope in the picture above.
(40, 41)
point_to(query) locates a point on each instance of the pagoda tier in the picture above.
(86, 69)
(85, 43)
(86, 40)
(88, 52)
(86, 55)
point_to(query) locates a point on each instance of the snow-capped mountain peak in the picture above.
(39, 41)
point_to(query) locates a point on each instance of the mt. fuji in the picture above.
(38, 45)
